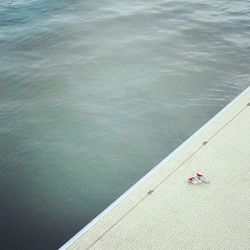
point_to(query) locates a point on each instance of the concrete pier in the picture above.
(163, 211)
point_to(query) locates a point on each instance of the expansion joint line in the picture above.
(164, 179)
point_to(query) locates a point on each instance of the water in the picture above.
(93, 94)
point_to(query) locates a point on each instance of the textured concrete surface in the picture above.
(163, 211)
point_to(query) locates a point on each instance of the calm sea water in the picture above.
(93, 94)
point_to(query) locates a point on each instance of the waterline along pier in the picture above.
(163, 211)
